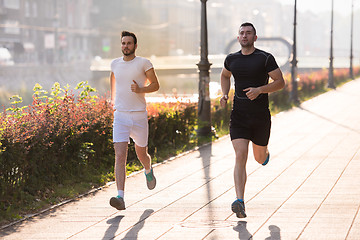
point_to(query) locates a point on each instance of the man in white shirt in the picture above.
(131, 77)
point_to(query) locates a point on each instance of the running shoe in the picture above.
(266, 160)
(238, 207)
(150, 179)
(118, 203)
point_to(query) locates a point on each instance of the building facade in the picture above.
(46, 31)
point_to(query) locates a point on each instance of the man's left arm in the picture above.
(277, 84)
(153, 83)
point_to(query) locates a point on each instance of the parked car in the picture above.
(5, 57)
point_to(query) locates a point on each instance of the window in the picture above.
(13, 4)
(12, 27)
(50, 11)
(34, 9)
(27, 9)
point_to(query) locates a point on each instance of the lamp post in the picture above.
(351, 72)
(204, 116)
(331, 63)
(294, 94)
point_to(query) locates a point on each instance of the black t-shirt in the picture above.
(250, 71)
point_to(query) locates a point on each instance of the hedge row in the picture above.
(54, 138)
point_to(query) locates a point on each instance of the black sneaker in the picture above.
(238, 207)
(118, 203)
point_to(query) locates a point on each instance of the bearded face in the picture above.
(128, 46)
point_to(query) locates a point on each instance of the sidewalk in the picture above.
(309, 190)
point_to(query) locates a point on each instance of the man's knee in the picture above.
(121, 148)
(241, 150)
(241, 157)
(120, 160)
(141, 152)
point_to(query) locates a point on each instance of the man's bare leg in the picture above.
(241, 154)
(121, 149)
(145, 159)
(260, 153)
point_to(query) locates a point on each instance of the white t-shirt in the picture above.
(125, 72)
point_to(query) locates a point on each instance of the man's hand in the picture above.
(252, 93)
(135, 87)
(223, 100)
(111, 103)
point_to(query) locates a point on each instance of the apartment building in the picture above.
(46, 31)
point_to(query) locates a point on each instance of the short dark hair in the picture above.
(247, 24)
(130, 34)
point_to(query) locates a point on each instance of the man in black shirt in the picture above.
(250, 117)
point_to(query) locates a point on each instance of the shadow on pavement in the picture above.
(205, 155)
(274, 233)
(134, 231)
(245, 234)
(114, 225)
(242, 230)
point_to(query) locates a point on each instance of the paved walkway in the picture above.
(309, 190)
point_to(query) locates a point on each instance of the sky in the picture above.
(341, 6)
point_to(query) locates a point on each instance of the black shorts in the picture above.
(254, 126)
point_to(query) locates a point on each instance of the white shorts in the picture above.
(131, 124)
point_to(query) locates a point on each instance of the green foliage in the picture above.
(172, 130)
(59, 137)
(15, 109)
(86, 90)
(63, 140)
(220, 117)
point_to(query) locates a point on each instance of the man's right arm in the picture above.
(112, 89)
(225, 86)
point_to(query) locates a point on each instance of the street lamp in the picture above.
(204, 115)
(294, 93)
(331, 64)
(351, 72)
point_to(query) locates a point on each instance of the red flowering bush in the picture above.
(309, 85)
(155, 109)
(315, 81)
(172, 127)
(54, 138)
(64, 136)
